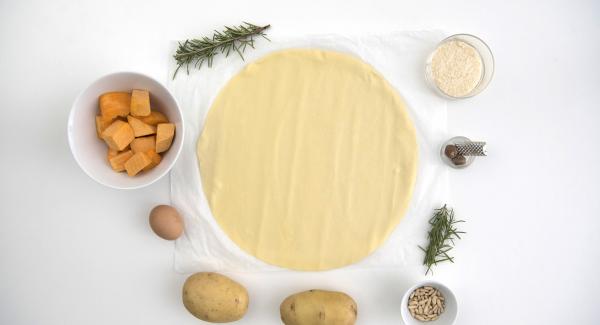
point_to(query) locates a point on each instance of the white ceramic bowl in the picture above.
(446, 318)
(90, 152)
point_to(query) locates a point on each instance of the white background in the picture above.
(74, 252)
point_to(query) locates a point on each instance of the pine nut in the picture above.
(426, 304)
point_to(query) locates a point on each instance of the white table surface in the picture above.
(75, 252)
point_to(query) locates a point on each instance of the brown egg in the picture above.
(166, 222)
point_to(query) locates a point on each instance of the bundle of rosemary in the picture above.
(195, 52)
(441, 237)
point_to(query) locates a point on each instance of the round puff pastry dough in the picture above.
(308, 159)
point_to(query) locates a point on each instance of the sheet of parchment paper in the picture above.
(400, 58)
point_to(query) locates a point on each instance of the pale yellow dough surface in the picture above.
(308, 159)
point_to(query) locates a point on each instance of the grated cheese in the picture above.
(456, 68)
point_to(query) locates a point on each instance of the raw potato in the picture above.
(214, 298)
(318, 307)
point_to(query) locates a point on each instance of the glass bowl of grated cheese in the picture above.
(461, 66)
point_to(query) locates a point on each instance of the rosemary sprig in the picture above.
(441, 237)
(196, 52)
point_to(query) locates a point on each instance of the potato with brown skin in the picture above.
(214, 298)
(318, 307)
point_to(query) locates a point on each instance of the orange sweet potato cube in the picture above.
(114, 104)
(111, 153)
(155, 159)
(118, 135)
(101, 124)
(155, 118)
(118, 160)
(164, 136)
(140, 128)
(143, 144)
(137, 163)
(140, 102)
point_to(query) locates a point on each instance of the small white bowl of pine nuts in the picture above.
(429, 302)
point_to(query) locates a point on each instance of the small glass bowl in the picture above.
(448, 161)
(487, 60)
